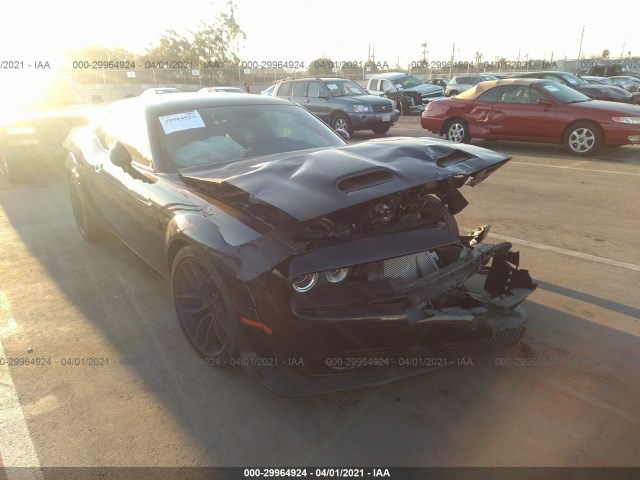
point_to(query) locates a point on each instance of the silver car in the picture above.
(464, 82)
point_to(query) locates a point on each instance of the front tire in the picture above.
(457, 131)
(381, 130)
(341, 122)
(205, 314)
(583, 138)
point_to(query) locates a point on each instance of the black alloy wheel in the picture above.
(205, 315)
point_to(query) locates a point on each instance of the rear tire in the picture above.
(87, 223)
(457, 131)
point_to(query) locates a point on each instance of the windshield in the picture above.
(222, 134)
(408, 81)
(344, 88)
(573, 79)
(564, 94)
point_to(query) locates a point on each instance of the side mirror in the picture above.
(120, 156)
(323, 94)
(343, 133)
(97, 99)
(544, 102)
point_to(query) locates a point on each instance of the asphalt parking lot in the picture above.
(144, 400)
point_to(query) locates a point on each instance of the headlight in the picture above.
(304, 283)
(359, 108)
(634, 120)
(337, 275)
(21, 131)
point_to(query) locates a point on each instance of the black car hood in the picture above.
(313, 183)
(426, 89)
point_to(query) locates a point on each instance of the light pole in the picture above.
(424, 54)
(453, 55)
(581, 37)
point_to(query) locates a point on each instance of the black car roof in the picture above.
(180, 101)
(390, 75)
(548, 72)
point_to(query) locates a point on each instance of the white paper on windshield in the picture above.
(551, 88)
(332, 86)
(181, 121)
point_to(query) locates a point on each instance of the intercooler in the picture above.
(410, 267)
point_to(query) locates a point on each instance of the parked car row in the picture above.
(597, 92)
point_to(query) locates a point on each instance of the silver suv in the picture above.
(464, 82)
(341, 103)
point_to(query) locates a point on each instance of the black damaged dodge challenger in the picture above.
(317, 265)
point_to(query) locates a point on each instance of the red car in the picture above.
(533, 111)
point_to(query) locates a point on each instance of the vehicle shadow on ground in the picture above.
(492, 411)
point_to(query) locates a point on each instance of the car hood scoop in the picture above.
(313, 183)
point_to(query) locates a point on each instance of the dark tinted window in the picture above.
(490, 95)
(298, 89)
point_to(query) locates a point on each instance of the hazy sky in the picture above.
(298, 30)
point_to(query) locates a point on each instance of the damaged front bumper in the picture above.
(358, 335)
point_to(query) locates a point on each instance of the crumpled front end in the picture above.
(443, 300)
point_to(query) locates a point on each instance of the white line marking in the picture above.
(16, 447)
(575, 168)
(562, 251)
